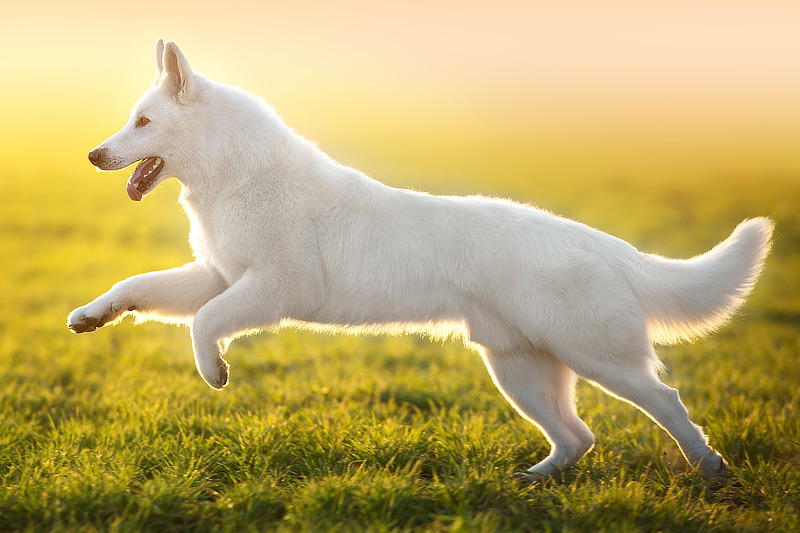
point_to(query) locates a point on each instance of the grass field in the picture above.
(115, 431)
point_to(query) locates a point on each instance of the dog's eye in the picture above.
(143, 121)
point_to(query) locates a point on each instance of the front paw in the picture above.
(214, 370)
(224, 373)
(89, 317)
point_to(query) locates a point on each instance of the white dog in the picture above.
(284, 235)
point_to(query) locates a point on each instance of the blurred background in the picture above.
(664, 123)
(488, 97)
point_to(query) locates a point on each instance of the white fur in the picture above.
(283, 234)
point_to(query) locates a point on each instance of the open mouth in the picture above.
(143, 177)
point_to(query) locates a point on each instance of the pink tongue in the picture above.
(150, 166)
(132, 191)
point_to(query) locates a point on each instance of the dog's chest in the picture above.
(214, 242)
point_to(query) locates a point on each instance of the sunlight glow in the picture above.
(574, 89)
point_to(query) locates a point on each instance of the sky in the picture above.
(592, 88)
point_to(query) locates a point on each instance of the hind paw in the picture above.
(713, 467)
(530, 476)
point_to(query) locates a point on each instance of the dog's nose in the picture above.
(95, 156)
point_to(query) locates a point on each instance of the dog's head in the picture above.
(156, 121)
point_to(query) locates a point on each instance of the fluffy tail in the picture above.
(683, 299)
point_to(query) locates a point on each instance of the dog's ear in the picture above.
(159, 60)
(178, 73)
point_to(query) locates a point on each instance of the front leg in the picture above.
(172, 295)
(252, 303)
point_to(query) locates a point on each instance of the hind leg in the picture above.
(639, 385)
(541, 388)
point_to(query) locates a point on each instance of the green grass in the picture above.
(114, 431)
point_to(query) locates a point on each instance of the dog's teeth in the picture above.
(158, 161)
